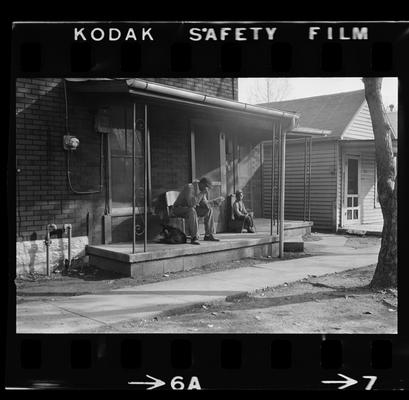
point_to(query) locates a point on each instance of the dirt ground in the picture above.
(339, 303)
(85, 279)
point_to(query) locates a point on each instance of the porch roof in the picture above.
(159, 92)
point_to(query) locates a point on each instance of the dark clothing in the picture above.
(239, 209)
(241, 214)
(190, 196)
(247, 222)
(192, 204)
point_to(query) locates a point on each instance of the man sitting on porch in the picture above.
(241, 214)
(192, 203)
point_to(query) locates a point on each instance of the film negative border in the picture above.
(200, 49)
(183, 362)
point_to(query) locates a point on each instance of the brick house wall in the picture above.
(42, 192)
(219, 87)
(170, 149)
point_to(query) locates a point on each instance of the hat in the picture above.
(238, 192)
(206, 182)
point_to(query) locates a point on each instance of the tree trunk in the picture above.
(386, 269)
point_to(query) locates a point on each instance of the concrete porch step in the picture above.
(162, 258)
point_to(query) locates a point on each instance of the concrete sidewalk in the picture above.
(81, 314)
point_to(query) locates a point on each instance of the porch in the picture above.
(163, 258)
(155, 139)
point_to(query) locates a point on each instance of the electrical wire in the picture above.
(69, 175)
(66, 107)
(69, 152)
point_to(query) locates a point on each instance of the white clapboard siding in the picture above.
(323, 183)
(339, 187)
(360, 126)
(371, 210)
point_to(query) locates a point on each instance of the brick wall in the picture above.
(170, 149)
(220, 87)
(42, 193)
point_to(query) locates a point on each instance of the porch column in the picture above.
(309, 179)
(273, 138)
(133, 177)
(283, 135)
(305, 180)
(279, 137)
(146, 171)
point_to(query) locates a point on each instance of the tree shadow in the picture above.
(248, 303)
(32, 252)
(90, 273)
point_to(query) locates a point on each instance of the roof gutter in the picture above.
(142, 87)
(304, 131)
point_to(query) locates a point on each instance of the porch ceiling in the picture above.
(261, 117)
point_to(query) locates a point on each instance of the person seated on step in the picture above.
(241, 214)
(193, 202)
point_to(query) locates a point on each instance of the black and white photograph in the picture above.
(206, 205)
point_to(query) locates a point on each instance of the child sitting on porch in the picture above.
(241, 214)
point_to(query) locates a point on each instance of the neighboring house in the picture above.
(343, 182)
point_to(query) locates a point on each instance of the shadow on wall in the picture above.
(250, 182)
(32, 252)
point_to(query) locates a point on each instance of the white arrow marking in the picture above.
(153, 384)
(348, 381)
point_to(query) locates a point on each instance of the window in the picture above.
(352, 176)
(121, 141)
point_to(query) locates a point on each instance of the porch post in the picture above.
(278, 177)
(133, 177)
(282, 192)
(309, 179)
(273, 138)
(145, 186)
(305, 179)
